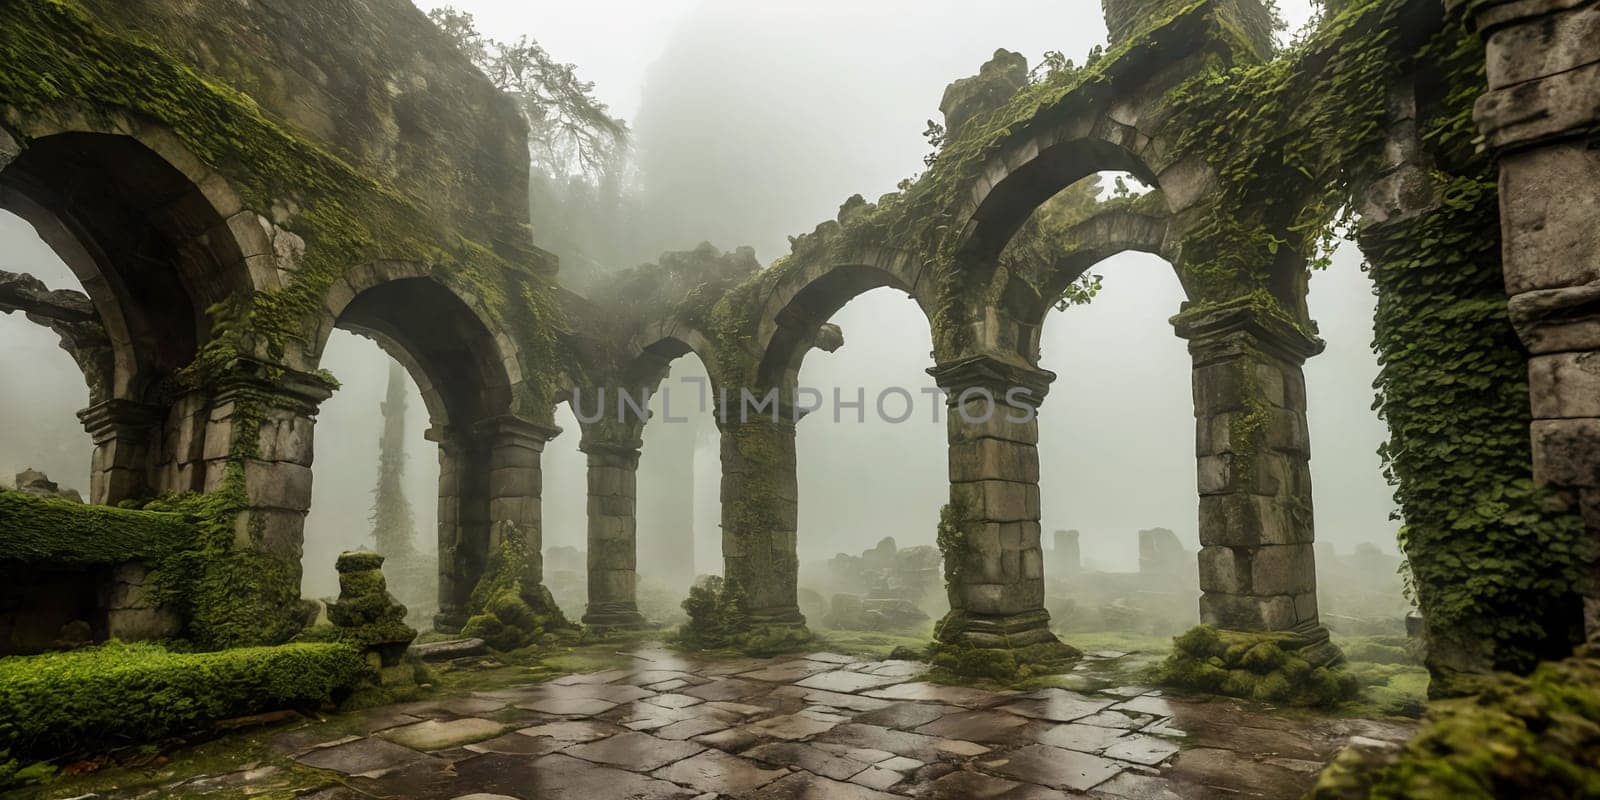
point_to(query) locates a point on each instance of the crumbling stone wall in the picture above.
(404, 219)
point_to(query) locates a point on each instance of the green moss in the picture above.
(103, 696)
(960, 660)
(510, 609)
(1255, 666)
(56, 52)
(38, 530)
(1520, 737)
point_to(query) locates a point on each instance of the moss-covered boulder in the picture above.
(1265, 667)
(719, 620)
(510, 609)
(366, 616)
(1537, 736)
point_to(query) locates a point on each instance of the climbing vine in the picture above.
(1494, 560)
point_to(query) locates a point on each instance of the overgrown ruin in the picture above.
(231, 182)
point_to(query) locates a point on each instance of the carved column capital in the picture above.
(114, 419)
(998, 376)
(1221, 332)
(291, 390)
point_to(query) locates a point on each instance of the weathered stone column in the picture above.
(489, 474)
(613, 526)
(124, 433)
(760, 511)
(454, 456)
(265, 426)
(989, 533)
(1257, 565)
(1540, 114)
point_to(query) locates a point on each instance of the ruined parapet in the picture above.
(1161, 554)
(366, 615)
(374, 81)
(997, 81)
(34, 482)
(1247, 23)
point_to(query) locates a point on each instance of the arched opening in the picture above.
(378, 478)
(44, 386)
(151, 253)
(679, 505)
(871, 464)
(1117, 463)
(148, 247)
(460, 375)
(1357, 556)
(566, 514)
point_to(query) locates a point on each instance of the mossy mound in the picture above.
(719, 619)
(1265, 667)
(1520, 737)
(61, 533)
(1000, 663)
(58, 703)
(509, 609)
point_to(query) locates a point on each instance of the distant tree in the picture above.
(570, 132)
(393, 524)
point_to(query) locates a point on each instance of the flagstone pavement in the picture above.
(817, 727)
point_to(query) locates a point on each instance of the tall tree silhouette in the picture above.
(393, 524)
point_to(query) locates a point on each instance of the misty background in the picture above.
(752, 122)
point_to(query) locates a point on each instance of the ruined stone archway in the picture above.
(154, 240)
(488, 458)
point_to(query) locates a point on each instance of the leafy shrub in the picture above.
(719, 619)
(1256, 666)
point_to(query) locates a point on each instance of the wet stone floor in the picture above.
(818, 727)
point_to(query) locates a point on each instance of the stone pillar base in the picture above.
(1311, 643)
(778, 617)
(613, 615)
(1028, 631)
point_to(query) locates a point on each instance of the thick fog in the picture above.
(754, 121)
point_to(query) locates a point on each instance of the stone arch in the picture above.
(466, 369)
(1047, 157)
(156, 238)
(465, 365)
(803, 301)
(1105, 235)
(153, 235)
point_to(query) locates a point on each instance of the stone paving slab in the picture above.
(369, 757)
(1062, 769)
(821, 727)
(439, 735)
(634, 750)
(716, 771)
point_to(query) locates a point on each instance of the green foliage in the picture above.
(719, 619)
(1521, 737)
(509, 609)
(718, 614)
(1494, 561)
(40, 530)
(1255, 666)
(962, 660)
(104, 696)
(227, 596)
(952, 540)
